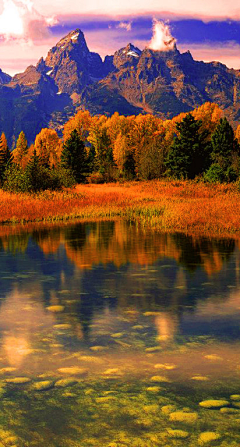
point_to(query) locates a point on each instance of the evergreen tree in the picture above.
(5, 156)
(74, 156)
(224, 144)
(189, 152)
(34, 173)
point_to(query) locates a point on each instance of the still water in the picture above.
(113, 335)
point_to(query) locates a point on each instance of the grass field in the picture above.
(165, 205)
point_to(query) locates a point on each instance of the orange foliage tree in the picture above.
(81, 122)
(48, 147)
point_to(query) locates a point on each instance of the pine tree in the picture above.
(224, 144)
(5, 156)
(33, 173)
(189, 152)
(74, 156)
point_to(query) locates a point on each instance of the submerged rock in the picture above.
(98, 348)
(73, 370)
(200, 378)
(160, 379)
(63, 383)
(167, 409)
(213, 357)
(181, 416)
(229, 410)
(178, 434)
(112, 371)
(214, 403)
(235, 397)
(154, 389)
(42, 386)
(8, 369)
(167, 366)
(208, 436)
(18, 380)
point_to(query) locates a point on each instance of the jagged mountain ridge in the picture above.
(131, 81)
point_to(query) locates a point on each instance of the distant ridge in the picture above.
(131, 81)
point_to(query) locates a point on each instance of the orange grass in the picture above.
(165, 205)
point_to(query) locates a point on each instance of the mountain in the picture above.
(131, 81)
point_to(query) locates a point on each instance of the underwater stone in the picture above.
(214, 403)
(181, 416)
(42, 386)
(208, 436)
(63, 383)
(179, 434)
(200, 378)
(18, 380)
(167, 366)
(167, 409)
(154, 389)
(229, 410)
(7, 370)
(213, 357)
(73, 370)
(235, 397)
(159, 379)
(98, 348)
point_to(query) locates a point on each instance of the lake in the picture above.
(115, 335)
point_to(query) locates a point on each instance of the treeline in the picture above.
(99, 149)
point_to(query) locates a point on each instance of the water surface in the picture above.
(112, 335)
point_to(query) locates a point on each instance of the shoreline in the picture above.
(168, 206)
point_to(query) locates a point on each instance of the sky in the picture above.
(210, 29)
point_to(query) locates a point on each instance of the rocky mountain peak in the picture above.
(71, 65)
(128, 55)
(4, 78)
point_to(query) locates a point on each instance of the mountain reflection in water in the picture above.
(107, 321)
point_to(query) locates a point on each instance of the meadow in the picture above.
(184, 206)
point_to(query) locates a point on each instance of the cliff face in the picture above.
(130, 82)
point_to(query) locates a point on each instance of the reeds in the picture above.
(165, 205)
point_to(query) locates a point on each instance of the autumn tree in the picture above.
(48, 147)
(151, 159)
(81, 122)
(123, 156)
(100, 140)
(21, 150)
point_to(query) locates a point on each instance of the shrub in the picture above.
(95, 177)
(16, 179)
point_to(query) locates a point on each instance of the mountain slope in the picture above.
(131, 81)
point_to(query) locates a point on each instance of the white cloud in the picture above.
(205, 8)
(162, 40)
(19, 19)
(125, 25)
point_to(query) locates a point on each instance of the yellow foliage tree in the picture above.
(48, 147)
(81, 122)
(21, 150)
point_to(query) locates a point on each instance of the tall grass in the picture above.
(166, 205)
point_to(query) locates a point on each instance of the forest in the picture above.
(200, 145)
